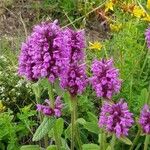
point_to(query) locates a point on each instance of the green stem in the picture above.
(57, 139)
(73, 122)
(136, 139)
(147, 138)
(102, 140)
(37, 92)
(51, 98)
(113, 140)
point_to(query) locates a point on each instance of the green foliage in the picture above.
(44, 128)
(30, 147)
(90, 147)
(13, 91)
(14, 130)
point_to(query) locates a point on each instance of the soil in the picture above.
(17, 18)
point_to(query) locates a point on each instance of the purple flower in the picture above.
(73, 77)
(116, 118)
(48, 110)
(40, 55)
(105, 80)
(144, 120)
(147, 37)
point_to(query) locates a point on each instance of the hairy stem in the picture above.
(73, 122)
(102, 140)
(37, 92)
(147, 138)
(113, 140)
(136, 139)
(52, 105)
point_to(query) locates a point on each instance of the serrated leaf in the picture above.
(59, 126)
(30, 147)
(44, 128)
(90, 147)
(125, 140)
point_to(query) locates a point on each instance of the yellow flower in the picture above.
(148, 4)
(96, 45)
(138, 12)
(115, 27)
(109, 6)
(146, 18)
(2, 107)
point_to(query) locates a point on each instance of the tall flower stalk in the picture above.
(73, 78)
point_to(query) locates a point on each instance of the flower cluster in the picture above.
(116, 118)
(147, 34)
(105, 80)
(145, 119)
(73, 77)
(48, 110)
(40, 54)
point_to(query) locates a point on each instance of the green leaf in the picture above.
(92, 117)
(44, 128)
(90, 147)
(81, 121)
(68, 100)
(108, 148)
(59, 126)
(59, 91)
(52, 147)
(125, 140)
(92, 127)
(68, 132)
(30, 147)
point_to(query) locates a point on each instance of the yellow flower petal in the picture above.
(96, 45)
(109, 6)
(138, 12)
(148, 4)
(115, 27)
(147, 18)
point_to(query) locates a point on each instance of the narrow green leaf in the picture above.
(59, 126)
(90, 147)
(30, 147)
(44, 128)
(125, 140)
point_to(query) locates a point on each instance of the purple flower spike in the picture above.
(74, 79)
(116, 118)
(105, 80)
(147, 37)
(40, 55)
(144, 120)
(48, 110)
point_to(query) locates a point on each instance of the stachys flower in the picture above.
(116, 118)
